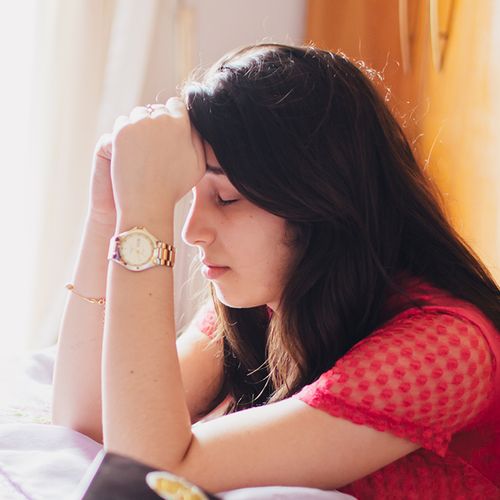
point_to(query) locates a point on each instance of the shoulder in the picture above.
(206, 319)
(424, 375)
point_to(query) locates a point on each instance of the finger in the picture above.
(158, 110)
(158, 106)
(138, 113)
(119, 123)
(104, 147)
(141, 112)
(176, 107)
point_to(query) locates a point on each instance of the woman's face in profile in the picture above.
(244, 238)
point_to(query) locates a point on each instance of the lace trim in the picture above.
(434, 439)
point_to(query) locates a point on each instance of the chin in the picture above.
(237, 303)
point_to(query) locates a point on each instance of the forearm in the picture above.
(145, 414)
(76, 401)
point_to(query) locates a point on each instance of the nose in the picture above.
(198, 229)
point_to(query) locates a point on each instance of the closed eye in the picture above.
(223, 203)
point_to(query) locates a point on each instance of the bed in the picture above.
(41, 461)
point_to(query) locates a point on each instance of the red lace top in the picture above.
(428, 375)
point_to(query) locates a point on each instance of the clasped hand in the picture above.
(155, 157)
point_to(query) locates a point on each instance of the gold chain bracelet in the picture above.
(101, 300)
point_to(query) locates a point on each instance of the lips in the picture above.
(211, 264)
(212, 271)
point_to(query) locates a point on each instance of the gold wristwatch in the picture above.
(137, 249)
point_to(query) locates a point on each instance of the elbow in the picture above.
(81, 427)
(179, 466)
(95, 435)
(184, 466)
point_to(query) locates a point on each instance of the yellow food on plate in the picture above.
(172, 487)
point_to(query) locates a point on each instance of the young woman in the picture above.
(352, 333)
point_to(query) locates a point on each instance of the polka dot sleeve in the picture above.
(423, 376)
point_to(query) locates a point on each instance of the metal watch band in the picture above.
(164, 254)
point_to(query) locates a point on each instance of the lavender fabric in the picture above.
(41, 461)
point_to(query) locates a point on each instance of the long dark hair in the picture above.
(302, 133)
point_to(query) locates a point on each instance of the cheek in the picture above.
(260, 259)
(262, 246)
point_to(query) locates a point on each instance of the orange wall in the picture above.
(452, 115)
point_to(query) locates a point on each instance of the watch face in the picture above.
(136, 249)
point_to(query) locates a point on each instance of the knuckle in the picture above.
(103, 142)
(121, 118)
(122, 132)
(119, 122)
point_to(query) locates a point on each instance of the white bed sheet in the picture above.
(41, 461)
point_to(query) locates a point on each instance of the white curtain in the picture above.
(95, 60)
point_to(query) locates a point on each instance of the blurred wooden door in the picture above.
(452, 114)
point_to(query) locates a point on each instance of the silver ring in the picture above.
(149, 109)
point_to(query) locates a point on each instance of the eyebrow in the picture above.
(214, 170)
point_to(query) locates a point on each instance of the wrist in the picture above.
(100, 227)
(100, 220)
(161, 227)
